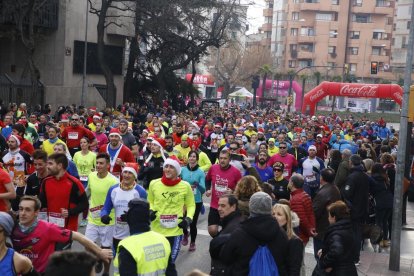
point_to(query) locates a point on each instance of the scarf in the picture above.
(170, 182)
(28, 229)
(52, 141)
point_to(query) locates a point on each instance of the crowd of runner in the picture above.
(136, 176)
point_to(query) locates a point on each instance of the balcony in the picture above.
(268, 12)
(306, 39)
(267, 27)
(381, 58)
(305, 55)
(45, 17)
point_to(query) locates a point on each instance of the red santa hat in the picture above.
(132, 168)
(173, 161)
(115, 131)
(17, 138)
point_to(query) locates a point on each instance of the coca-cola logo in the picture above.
(317, 95)
(368, 91)
(398, 96)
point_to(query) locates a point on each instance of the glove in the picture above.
(153, 215)
(106, 219)
(124, 217)
(184, 223)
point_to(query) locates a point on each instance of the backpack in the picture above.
(262, 263)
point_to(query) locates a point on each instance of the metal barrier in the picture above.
(21, 92)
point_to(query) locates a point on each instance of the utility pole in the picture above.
(85, 57)
(394, 263)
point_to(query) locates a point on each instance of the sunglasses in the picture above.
(233, 148)
(282, 147)
(277, 170)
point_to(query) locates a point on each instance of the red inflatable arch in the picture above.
(353, 90)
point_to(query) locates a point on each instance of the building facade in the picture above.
(59, 55)
(334, 35)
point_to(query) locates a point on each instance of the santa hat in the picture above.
(116, 132)
(92, 108)
(96, 117)
(159, 143)
(173, 161)
(132, 168)
(17, 138)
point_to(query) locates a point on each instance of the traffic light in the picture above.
(374, 68)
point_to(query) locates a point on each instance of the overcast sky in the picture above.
(254, 14)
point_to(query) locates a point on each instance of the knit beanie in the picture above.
(138, 216)
(260, 204)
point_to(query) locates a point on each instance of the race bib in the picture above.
(57, 219)
(73, 135)
(96, 212)
(285, 173)
(194, 188)
(169, 221)
(310, 178)
(83, 178)
(42, 216)
(41, 138)
(221, 188)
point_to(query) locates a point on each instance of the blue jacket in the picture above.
(344, 144)
(197, 179)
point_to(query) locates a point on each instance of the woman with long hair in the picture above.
(252, 148)
(282, 214)
(196, 177)
(246, 187)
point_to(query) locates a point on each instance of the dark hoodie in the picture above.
(255, 231)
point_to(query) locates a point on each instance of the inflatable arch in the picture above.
(283, 86)
(352, 90)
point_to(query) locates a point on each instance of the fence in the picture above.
(20, 92)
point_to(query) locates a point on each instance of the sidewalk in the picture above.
(376, 264)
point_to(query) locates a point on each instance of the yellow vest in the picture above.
(47, 146)
(150, 251)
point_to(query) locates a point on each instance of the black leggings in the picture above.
(193, 225)
(382, 219)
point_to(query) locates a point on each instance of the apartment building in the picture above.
(402, 21)
(333, 33)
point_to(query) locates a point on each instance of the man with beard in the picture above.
(310, 167)
(289, 161)
(53, 139)
(74, 133)
(127, 138)
(265, 172)
(119, 153)
(222, 178)
(169, 146)
(152, 168)
(62, 194)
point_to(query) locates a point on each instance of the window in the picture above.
(361, 18)
(389, 21)
(324, 16)
(295, 16)
(354, 34)
(393, 41)
(293, 47)
(408, 25)
(353, 50)
(382, 3)
(307, 47)
(352, 67)
(311, 1)
(292, 63)
(294, 31)
(357, 3)
(331, 49)
(376, 51)
(379, 35)
(305, 63)
(331, 65)
(335, 2)
(333, 33)
(307, 31)
(296, 1)
(404, 42)
(268, 19)
(268, 34)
